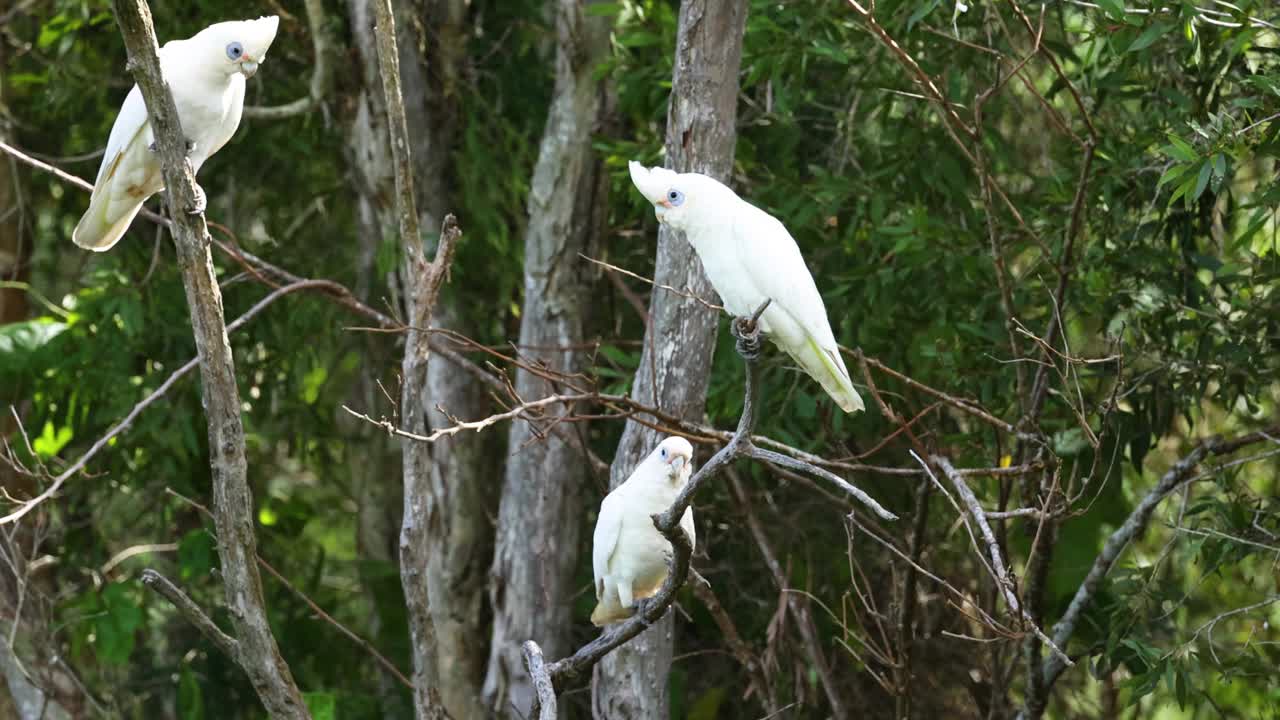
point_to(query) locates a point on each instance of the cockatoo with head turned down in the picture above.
(750, 257)
(629, 557)
(206, 74)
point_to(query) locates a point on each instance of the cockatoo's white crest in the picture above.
(674, 456)
(681, 199)
(237, 45)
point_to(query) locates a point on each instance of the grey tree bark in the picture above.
(376, 470)
(540, 516)
(259, 654)
(457, 549)
(631, 683)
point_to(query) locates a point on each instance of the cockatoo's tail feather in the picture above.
(123, 186)
(830, 372)
(99, 232)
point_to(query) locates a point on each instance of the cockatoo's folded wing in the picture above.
(118, 192)
(133, 115)
(605, 539)
(773, 261)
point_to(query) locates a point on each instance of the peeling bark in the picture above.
(540, 517)
(676, 362)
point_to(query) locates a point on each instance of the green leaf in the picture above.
(312, 382)
(195, 554)
(1181, 149)
(1113, 8)
(1206, 170)
(707, 707)
(115, 627)
(51, 441)
(1150, 35)
(603, 9)
(322, 704)
(28, 336)
(1174, 172)
(190, 696)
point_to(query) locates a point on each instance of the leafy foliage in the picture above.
(1174, 269)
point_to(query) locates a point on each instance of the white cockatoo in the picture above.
(628, 555)
(206, 74)
(749, 256)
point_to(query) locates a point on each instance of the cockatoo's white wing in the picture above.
(772, 261)
(605, 539)
(133, 115)
(130, 171)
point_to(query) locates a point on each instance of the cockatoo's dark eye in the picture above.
(675, 197)
(663, 453)
(235, 50)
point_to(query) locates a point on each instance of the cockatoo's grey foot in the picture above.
(201, 202)
(191, 146)
(747, 333)
(643, 605)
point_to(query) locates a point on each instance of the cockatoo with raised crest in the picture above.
(629, 557)
(749, 256)
(206, 74)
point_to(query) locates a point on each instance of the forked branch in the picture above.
(558, 674)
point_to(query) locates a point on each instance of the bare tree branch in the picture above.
(192, 612)
(233, 503)
(422, 286)
(545, 694)
(650, 611)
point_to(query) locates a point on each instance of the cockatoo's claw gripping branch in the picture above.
(747, 332)
(558, 674)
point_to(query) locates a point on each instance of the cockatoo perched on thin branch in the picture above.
(628, 555)
(206, 74)
(749, 257)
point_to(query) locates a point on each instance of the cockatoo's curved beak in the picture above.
(677, 464)
(248, 66)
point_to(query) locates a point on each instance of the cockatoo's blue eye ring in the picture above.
(235, 50)
(663, 453)
(675, 197)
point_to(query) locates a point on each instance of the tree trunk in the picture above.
(375, 469)
(465, 467)
(631, 683)
(540, 517)
(460, 469)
